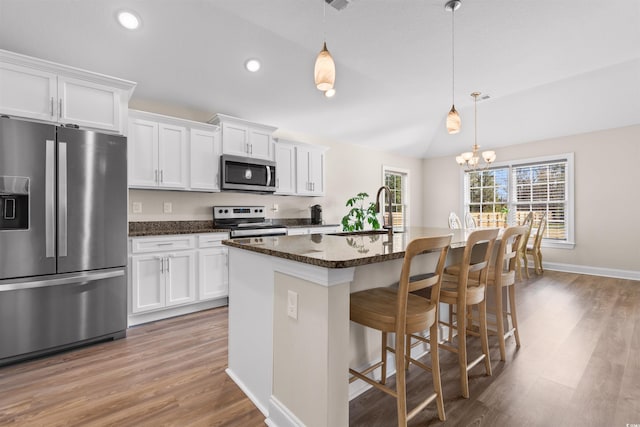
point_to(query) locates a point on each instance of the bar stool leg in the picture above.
(514, 315)
(484, 337)
(435, 369)
(383, 368)
(462, 354)
(500, 322)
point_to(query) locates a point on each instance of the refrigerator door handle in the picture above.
(75, 278)
(50, 203)
(62, 199)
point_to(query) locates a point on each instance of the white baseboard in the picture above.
(152, 316)
(592, 271)
(280, 415)
(247, 392)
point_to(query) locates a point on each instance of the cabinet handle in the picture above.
(162, 175)
(161, 264)
(51, 107)
(168, 263)
(165, 244)
(60, 108)
(156, 175)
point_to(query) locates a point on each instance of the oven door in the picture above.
(246, 174)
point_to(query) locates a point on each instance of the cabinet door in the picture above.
(205, 160)
(285, 169)
(26, 92)
(89, 104)
(235, 139)
(213, 278)
(260, 144)
(147, 283)
(143, 154)
(180, 277)
(303, 185)
(172, 149)
(316, 171)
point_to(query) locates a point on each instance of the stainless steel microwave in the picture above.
(247, 174)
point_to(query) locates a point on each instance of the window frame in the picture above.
(569, 243)
(405, 192)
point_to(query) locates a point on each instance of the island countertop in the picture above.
(344, 250)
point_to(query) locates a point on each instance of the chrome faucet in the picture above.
(389, 227)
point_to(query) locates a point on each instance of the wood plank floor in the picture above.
(168, 373)
(579, 364)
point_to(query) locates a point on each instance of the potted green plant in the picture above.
(359, 215)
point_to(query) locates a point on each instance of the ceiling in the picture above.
(551, 68)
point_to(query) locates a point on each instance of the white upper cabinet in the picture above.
(310, 170)
(143, 153)
(243, 138)
(205, 159)
(42, 90)
(170, 153)
(27, 92)
(285, 168)
(172, 156)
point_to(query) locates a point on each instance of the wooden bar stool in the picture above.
(521, 259)
(535, 248)
(399, 311)
(503, 274)
(464, 292)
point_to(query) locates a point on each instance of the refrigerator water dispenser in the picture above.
(14, 203)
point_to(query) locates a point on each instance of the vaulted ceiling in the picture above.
(551, 68)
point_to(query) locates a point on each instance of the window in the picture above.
(397, 180)
(487, 197)
(506, 193)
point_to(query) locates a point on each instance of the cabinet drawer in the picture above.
(162, 244)
(211, 240)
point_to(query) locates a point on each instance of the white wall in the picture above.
(350, 169)
(607, 174)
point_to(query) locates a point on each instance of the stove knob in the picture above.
(219, 210)
(226, 211)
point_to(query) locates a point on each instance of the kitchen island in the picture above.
(290, 339)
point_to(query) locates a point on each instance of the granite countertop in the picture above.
(159, 228)
(343, 250)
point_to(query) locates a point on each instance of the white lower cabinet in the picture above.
(176, 272)
(213, 274)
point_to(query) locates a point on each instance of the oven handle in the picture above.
(259, 233)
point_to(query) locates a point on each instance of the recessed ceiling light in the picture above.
(252, 65)
(128, 20)
(330, 93)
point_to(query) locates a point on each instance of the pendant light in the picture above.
(325, 69)
(453, 118)
(471, 159)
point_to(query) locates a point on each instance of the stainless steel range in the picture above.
(246, 221)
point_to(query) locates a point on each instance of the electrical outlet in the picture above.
(137, 207)
(292, 305)
(167, 207)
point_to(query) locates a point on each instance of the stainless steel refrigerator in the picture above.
(63, 238)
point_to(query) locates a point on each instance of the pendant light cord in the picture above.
(475, 119)
(453, 60)
(324, 19)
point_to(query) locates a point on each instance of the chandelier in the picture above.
(471, 159)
